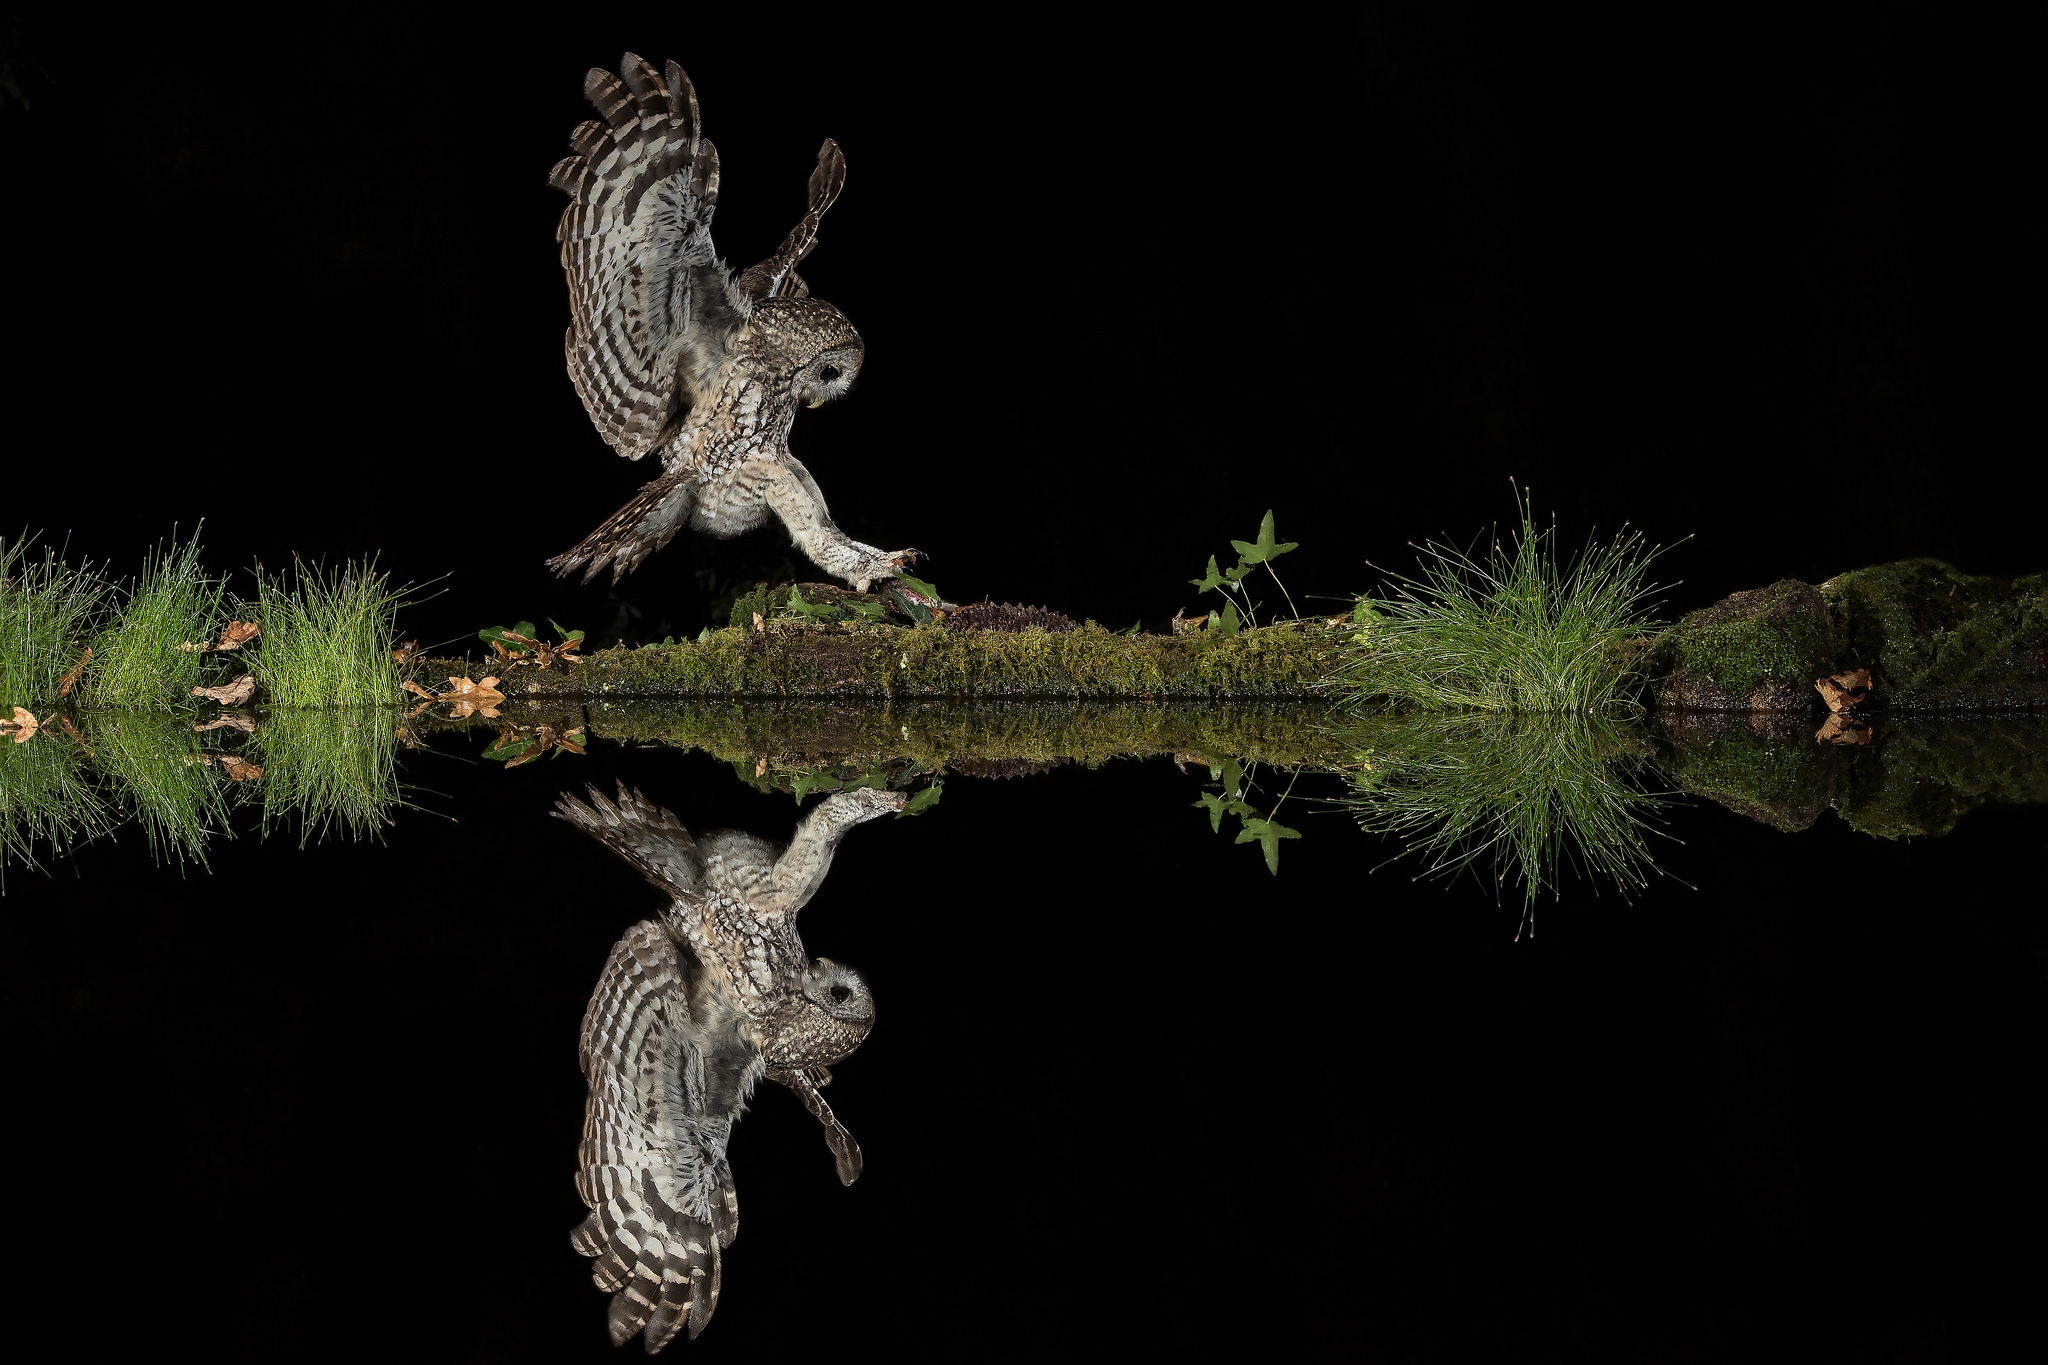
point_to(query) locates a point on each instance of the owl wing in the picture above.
(652, 309)
(644, 834)
(652, 1166)
(776, 277)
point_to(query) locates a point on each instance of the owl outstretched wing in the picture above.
(776, 277)
(653, 310)
(665, 1089)
(644, 834)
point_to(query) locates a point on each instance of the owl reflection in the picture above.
(692, 1011)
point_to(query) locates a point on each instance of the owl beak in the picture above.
(816, 403)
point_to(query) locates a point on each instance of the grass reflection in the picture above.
(1510, 796)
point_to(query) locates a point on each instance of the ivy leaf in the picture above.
(1217, 807)
(1230, 774)
(1211, 580)
(806, 783)
(1265, 551)
(919, 586)
(1226, 624)
(568, 636)
(923, 801)
(1137, 627)
(877, 779)
(814, 611)
(1268, 834)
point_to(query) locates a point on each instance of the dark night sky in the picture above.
(1773, 283)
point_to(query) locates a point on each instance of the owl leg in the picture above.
(742, 498)
(803, 865)
(845, 1151)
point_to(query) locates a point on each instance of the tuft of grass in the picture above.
(327, 637)
(136, 660)
(1527, 794)
(48, 611)
(153, 768)
(1521, 630)
(332, 767)
(48, 797)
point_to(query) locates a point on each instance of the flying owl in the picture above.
(691, 1012)
(674, 355)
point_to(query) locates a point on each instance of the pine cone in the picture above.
(1006, 616)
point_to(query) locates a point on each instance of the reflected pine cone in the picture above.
(1006, 616)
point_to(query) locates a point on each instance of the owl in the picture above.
(691, 1012)
(674, 355)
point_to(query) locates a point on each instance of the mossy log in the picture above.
(1932, 637)
(800, 735)
(857, 659)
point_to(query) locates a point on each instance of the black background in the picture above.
(1770, 280)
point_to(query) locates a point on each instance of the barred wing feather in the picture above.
(653, 312)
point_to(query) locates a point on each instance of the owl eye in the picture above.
(840, 995)
(829, 373)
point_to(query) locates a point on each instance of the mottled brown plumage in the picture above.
(692, 1011)
(673, 355)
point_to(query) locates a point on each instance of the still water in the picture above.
(300, 1072)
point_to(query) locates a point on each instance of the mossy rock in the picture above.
(1918, 775)
(1935, 638)
(1932, 637)
(1763, 764)
(1751, 651)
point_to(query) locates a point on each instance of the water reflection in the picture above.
(692, 1011)
(1516, 800)
(81, 778)
(1526, 795)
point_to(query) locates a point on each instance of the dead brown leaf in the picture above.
(542, 739)
(1841, 729)
(229, 694)
(405, 651)
(72, 730)
(235, 634)
(64, 683)
(760, 765)
(237, 720)
(466, 698)
(410, 686)
(1844, 690)
(760, 626)
(23, 725)
(240, 769)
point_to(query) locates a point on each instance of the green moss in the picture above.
(793, 659)
(785, 737)
(1761, 648)
(1935, 638)
(1765, 768)
(1922, 774)
(750, 604)
(1918, 775)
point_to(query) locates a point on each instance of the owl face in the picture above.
(829, 1017)
(829, 375)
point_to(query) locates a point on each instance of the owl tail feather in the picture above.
(635, 531)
